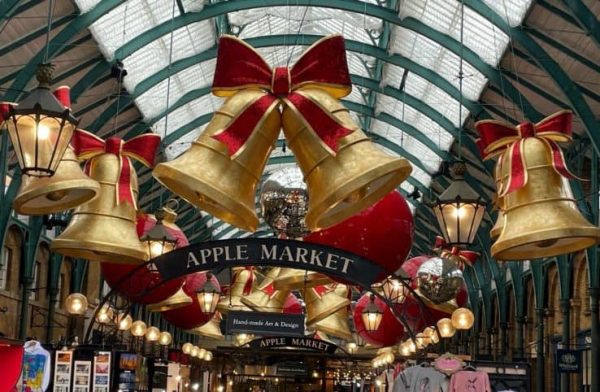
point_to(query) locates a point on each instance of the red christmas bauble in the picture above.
(390, 331)
(136, 286)
(190, 316)
(382, 233)
(292, 305)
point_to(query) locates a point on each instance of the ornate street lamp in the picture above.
(208, 296)
(76, 304)
(40, 127)
(372, 315)
(459, 209)
(158, 240)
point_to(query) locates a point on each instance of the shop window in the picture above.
(5, 268)
(34, 295)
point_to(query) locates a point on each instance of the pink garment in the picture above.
(469, 381)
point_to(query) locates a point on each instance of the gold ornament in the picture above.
(177, 300)
(244, 283)
(295, 279)
(66, 189)
(212, 329)
(207, 177)
(497, 228)
(541, 217)
(337, 324)
(340, 185)
(102, 230)
(322, 302)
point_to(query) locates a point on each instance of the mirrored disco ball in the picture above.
(439, 279)
(284, 202)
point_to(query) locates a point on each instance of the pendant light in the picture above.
(208, 296)
(40, 127)
(372, 315)
(76, 304)
(459, 209)
(158, 240)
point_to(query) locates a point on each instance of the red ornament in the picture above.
(292, 305)
(382, 233)
(190, 316)
(390, 331)
(136, 286)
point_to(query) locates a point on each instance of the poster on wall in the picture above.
(81, 376)
(101, 380)
(127, 366)
(62, 371)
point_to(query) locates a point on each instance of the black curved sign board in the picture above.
(296, 342)
(274, 252)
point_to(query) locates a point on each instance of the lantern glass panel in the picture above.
(39, 141)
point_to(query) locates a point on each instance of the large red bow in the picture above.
(461, 257)
(240, 67)
(497, 137)
(141, 148)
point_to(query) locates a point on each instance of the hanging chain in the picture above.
(50, 12)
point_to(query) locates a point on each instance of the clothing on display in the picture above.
(36, 368)
(470, 381)
(421, 378)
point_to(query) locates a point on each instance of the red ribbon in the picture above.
(249, 283)
(497, 137)
(240, 67)
(462, 257)
(141, 148)
(63, 94)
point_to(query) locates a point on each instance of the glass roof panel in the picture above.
(154, 101)
(187, 113)
(187, 41)
(480, 34)
(432, 55)
(127, 21)
(512, 11)
(304, 20)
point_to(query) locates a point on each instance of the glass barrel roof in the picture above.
(382, 90)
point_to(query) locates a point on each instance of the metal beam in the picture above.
(585, 18)
(546, 62)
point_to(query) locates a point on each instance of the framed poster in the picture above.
(128, 364)
(81, 376)
(101, 380)
(62, 371)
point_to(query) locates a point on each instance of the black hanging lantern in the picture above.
(459, 209)
(40, 127)
(208, 296)
(372, 315)
(158, 240)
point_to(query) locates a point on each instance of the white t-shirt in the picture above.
(36, 368)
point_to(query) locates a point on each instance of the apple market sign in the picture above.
(302, 343)
(273, 252)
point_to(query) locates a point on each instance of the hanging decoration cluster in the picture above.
(345, 173)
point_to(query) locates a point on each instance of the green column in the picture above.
(540, 360)
(595, 335)
(594, 278)
(565, 305)
(520, 324)
(28, 259)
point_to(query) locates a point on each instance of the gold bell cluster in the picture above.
(344, 171)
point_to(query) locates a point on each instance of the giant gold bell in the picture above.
(320, 306)
(207, 177)
(177, 300)
(237, 290)
(337, 324)
(212, 329)
(340, 185)
(102, 230)
(541, 218)
(497, 228)
(295, 279)
(67, 188)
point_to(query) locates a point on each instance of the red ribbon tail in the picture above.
(558, 160)
(250, 282)
(322, 123)
(237, 133)
(517, 177)
(124, 191)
